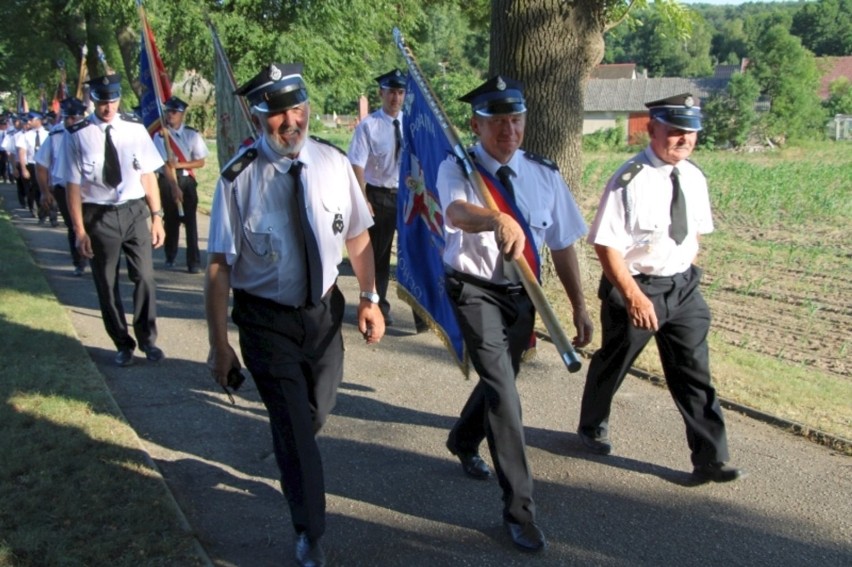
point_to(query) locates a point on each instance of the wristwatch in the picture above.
(158, 213)
(370, 296)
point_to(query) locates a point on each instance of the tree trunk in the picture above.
(552, 46)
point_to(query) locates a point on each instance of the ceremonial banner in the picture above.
(233, 122)
(420, 234)
(150, 106)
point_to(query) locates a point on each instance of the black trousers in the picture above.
(496, 327)
(295, 356)
(4, 165)
(172, 219)
(62, 203)
(113, 230)
(22, 187)
(383, 201)
(684, 321)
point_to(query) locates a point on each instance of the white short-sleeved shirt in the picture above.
(372, 148)
(10, 141)
(30, 141)
(542, 196)
(251, 219)
(634, 218)
(189, 140)
(84, 158)
(50, 155)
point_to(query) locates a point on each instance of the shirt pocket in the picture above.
(540, 221)
(332, 213)
(652, 224)
(265, 231)
(88, 171)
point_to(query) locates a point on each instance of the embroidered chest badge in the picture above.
(337, 224)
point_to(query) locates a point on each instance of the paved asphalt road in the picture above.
(395, 495)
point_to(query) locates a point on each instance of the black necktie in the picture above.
(112, 167)
(505, 175)
(38, 139)
(398, 137)
(678, 228)
(312, 255)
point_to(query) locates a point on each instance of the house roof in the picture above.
(614, 71)
(833, 68)
(630, 95)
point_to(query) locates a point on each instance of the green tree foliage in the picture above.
(825, 27)
(840, 98)
(730, 117)
(656, 42)
(787, 74)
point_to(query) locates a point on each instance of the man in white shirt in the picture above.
(646, 236)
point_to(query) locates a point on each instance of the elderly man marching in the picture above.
(646, 236)
(283, 210)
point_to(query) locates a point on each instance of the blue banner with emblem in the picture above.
(149, 106)
(420, 222)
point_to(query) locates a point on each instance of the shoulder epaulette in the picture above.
(697, 167)
(56, 131)
(190, 128)
(542, 160)
(128, 117)
(78, 126)
(628, 173)
(327, 143)
(234, 167)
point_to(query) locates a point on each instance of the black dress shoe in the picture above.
(309, 553)
(716, 472)
(124, 357)
(192, 269)
(471, 463)
(526, 537)
(153, 353)
(599, 444)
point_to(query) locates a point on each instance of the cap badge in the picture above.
(501, 84)
(105, 81)
(398, 73)
(274, 72)
(688, 102)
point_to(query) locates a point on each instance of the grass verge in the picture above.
(75, 485)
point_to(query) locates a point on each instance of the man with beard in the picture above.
(282, 212)
(646, 236)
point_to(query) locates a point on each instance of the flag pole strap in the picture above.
(528, 278)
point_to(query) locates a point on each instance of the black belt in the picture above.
(116, 206)
(389, 190)
(243, 295)
(505, 289)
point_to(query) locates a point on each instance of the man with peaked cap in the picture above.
(375, 152)
(50, 173)
(181, 202)
(493, 310)
(27, 145)
(646, 236)
(283, 209)
(112, 193)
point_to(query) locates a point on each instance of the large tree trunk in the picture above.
(552, 46)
